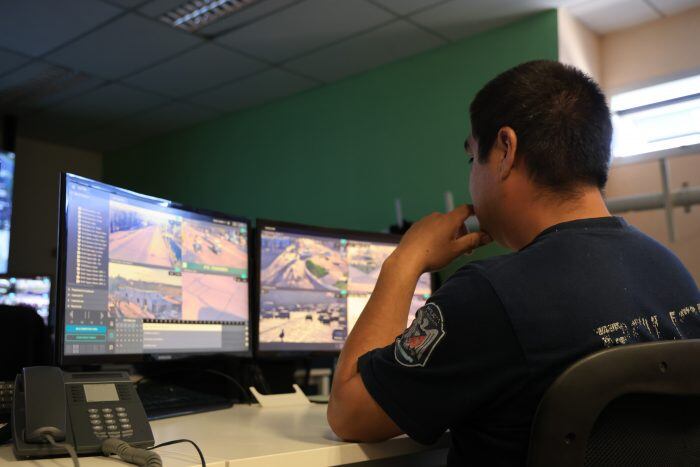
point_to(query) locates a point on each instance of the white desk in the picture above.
(252, 436)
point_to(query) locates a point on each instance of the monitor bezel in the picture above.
(60, 285)
(260, 226)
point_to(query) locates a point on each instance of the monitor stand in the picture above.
(319, 398)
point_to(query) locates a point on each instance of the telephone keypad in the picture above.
(104, 423)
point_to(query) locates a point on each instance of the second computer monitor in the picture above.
(29, 291)
(315, 282)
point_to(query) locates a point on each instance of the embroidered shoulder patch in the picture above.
(414, 346)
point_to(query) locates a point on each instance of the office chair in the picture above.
(633, 405)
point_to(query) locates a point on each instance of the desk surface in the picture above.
(252, 436)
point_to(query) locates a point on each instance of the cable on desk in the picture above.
(245, 393)
(130, 454)
(232, 379)
(177, 441)
(68, 447)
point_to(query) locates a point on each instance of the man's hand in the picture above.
(437, 239)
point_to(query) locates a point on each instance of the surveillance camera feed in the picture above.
(33, 292)
(7, 173)
(146, 277)
(313, 287)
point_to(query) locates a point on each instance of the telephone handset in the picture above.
(81, 409)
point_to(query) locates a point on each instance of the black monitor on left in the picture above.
(142, 278)
(7, 174)
(30, 291)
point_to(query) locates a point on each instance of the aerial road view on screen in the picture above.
(143, 292)
(214, 245)
(144, 236)
(302, 316)
(214, 297)
(366, 261)
(296, 262)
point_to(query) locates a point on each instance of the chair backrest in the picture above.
(635, 405)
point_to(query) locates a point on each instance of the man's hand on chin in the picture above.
(430, 244)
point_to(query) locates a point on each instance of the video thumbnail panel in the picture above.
(144, 292)
(296, 316)
(213, 297)
(206, 244)
(365, 263)
(144, 236)
(291, 261)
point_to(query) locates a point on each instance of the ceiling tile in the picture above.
(38, 85)
(246, 15)
(392, 42)
(461, 18)
(263, 87)
(195, 71)
(304, 27)
(124, 46)
(603, 16)
(155, 8)
(404, 7)
(35, 27)
(10, 61)
(128, 3)
(107, 103)
(673, 7)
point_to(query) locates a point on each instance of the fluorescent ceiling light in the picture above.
(196, 14)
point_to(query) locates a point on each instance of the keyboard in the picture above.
(165, 400)
(7, 391)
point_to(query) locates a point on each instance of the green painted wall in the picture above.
(338, 155)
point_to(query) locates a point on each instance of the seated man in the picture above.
(484, 349)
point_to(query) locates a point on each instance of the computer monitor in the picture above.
(142, 278)
(314, 282)
(31, 291)
(7, 174)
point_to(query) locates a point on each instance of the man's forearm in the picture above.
(384, 316)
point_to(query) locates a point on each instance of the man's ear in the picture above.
(506, 146)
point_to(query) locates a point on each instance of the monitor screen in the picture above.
(34, 292)
(7, 173)
(314, 283)
(144, 276)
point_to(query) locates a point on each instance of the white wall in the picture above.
(651, 52)
(631, 58)
(578, 45)
(35, 206)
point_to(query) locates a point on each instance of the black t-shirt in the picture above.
(490, 341)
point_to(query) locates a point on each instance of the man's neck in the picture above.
(543, 212)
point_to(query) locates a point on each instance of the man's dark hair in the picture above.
(560, 117)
